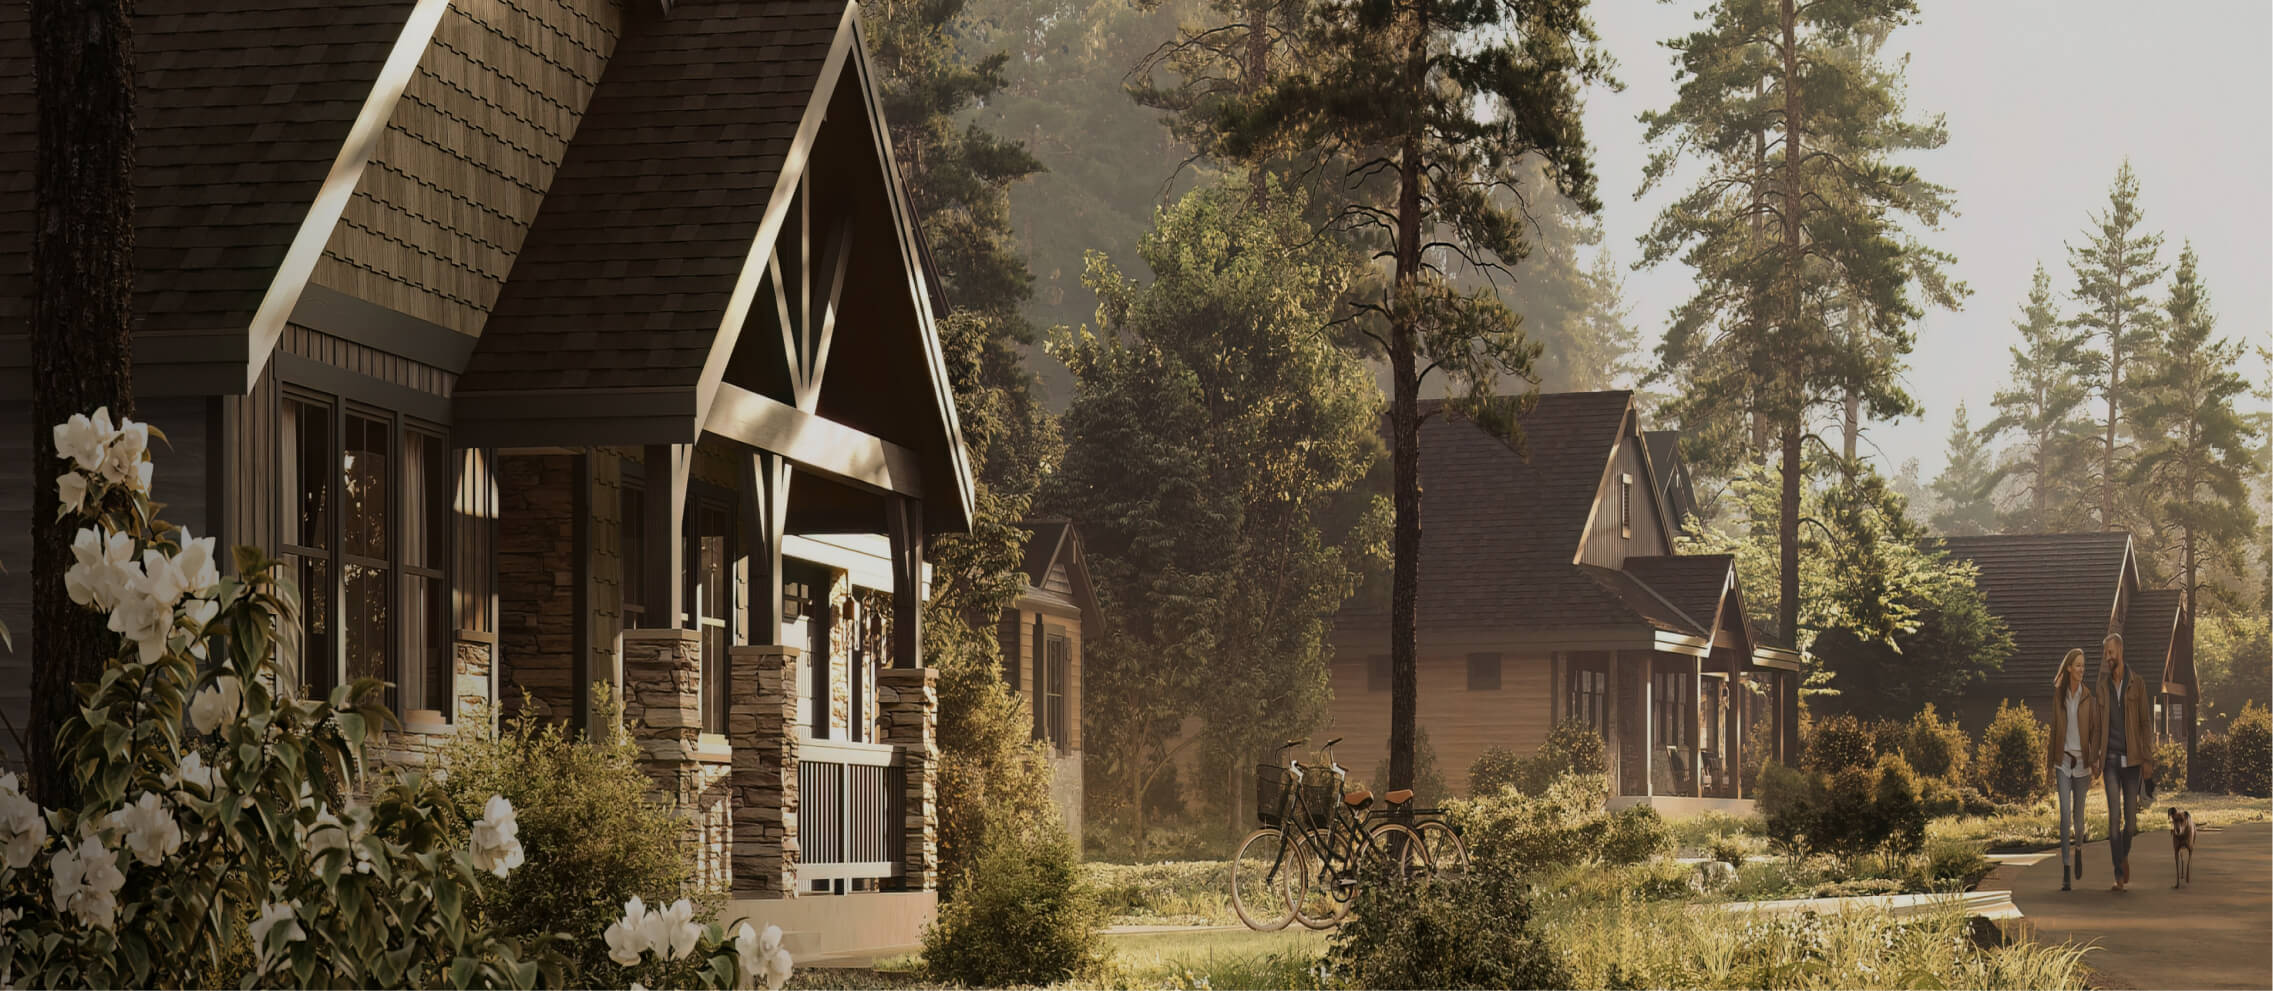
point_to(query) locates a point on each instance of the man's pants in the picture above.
(2122, 810)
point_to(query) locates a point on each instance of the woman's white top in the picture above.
(2072, 749)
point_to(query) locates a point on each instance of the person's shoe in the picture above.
(2079, 865)
(2064, 877)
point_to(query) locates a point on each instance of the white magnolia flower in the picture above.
(71, 487)
(192, 772)
(680, 931)
(151, 832)
(215, 705)
(275, 915)
(87, 880)
(103, 566)
(142, 476)
(623, 936)
(760, 954)
(85, 441)
(195, 565)
(145, 620)
(496, 838)
(777, 969)
(123, 464)
(23, 829)
(636, 986)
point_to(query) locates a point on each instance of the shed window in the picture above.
(1483, 672)
(1625, 505)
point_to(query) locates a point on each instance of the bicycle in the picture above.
(1448, 852)
(1315, 847)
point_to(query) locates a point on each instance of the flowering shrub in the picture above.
(239, 845)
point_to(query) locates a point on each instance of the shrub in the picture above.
(1495, 768)
(1571, 747)
(1726, 849)
(1475, 933)
(2170, 768)
(1936, 748)
(1838, 743)
(1901, 815)
(2010, 764)
(1025, 915)
(1785, 807)
(1971, 802)
(2249, 752)
(1514, 833)
(1889, 736)
(1846, 821)
(2209, 773)
(1954, 860)
(994, 778)
(594, 839)
(1937, 797)
(1636, 834)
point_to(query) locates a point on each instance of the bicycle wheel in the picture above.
(1263, 876)
(1323, 901)
(1445, 848)
(1397, 853)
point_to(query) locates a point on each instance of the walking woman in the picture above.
(2064, 759)
(2119, 742)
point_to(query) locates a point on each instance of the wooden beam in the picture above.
(835, 255)
(765, 509)
(813, 443)
(904, 522)
(666, 507)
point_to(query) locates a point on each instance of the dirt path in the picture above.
(2215, 933)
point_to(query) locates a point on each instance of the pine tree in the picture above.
(1427, 111)
(1964, 484)
(2043, 404)
(2114, 268)
(83, 280)
(1806, 284)
(2197, 445)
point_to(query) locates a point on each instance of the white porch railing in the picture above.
(849, 817)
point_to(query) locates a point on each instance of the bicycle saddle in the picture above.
(1358, 797)
(1398, 797)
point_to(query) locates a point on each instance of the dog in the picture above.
(2181, 846)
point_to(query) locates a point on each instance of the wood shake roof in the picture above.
(239, 115)
(2055, 591)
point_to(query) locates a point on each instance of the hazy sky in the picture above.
(2044, 100)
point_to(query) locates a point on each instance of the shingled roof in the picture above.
(239, 114)
(1693, 583)
(2055, 591)
(2148, 628)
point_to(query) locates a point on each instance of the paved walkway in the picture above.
(2215, 933)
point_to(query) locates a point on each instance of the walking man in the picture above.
(2122, 744)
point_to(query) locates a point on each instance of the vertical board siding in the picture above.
(251, 490)
(368, 362)
(1605, 544)
(458, 175)
(16, 580)
(1460, 723)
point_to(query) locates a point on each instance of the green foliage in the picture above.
(994, 779)
(1899, 808)
(2249, 753)
(2115, 266)
(2044, 405)
(2010, 762)
(1785, 806)
(1025, 915)
(1854, 812)
(1965, 482)
(2170, 767)
(1954, 860)
(1212, 431)
(1494, 769)
(2209, 773)
(595, 840)
(1514, 833)
(1635, 834)
(1571, 747)
(1476, 932)
(1729, 850)
(1937, 748)
(1838, 743)
(2233, 659)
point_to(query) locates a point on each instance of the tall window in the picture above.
(1665, 700)
(1483, 672)
(633, 543)
(1060, 660)
(1588, 699)
(708, 606)
(1625, 505)
(366, 500)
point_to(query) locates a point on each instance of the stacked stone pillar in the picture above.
(907, 710)
(762, 722)
(662, 672)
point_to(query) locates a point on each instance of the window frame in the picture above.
(1586, 694)
(1057, 656)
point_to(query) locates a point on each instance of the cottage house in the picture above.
(2060, 591)
(1042, 636)
(555, 343)
(1550, 591)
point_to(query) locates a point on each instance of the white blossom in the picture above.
(760, 954)
(151, 832)
(496, 838)
(87, 880)
(122, 465)
(272, 916)
(625, 940)
(195, 565)
(215, 705)
(23, 830)
(192, 772)
(145, 620)
(102, 569)
(71, 488)
(680, 931)
(85, 441)
(142, 477)
(777, 969)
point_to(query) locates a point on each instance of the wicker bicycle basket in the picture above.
(1272, 794)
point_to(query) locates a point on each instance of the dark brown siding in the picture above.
(250, 489)
(368, 362)
(16, 581)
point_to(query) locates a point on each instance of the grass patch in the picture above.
(2034, 828)
(1220, 960)
(1183, 892)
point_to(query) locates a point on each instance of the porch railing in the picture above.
(849, 810)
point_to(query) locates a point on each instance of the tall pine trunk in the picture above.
(82, 274)
(2107, 455)
(1794, 389)
(1405, 428)
(1252, 77)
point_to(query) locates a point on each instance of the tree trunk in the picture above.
(1852, 425)
(1787, 541)
(1794, 397)
(2107, 455)
(1252, 77)
(82, 271)
(1405, 434)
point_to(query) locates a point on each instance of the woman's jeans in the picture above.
(2072, 791)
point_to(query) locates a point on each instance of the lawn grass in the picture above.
(1185, 892)
(1217, 959)
(2034, 828)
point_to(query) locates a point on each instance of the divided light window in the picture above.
(1060, 660)
(365, 526)
(1666, 700)
(1589, 698)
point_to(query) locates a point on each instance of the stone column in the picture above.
(907, 711)
(663, 711)
(762, 720)
(472, 657)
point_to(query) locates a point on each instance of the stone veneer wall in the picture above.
(907, 709)
(762, 719)
(663, 710)
(536, 580)
(472, 659)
